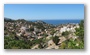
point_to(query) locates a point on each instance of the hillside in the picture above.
(23, 34)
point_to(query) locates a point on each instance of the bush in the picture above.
(80, 31)
(56, 40)
(32, 29)
(70, 44)
(65, 33)
(53, 31)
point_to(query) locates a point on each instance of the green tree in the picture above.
(56, 40)
(65, 33)
(80, 31)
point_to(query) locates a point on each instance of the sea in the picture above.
(57, 22)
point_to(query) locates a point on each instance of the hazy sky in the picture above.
(44, 11)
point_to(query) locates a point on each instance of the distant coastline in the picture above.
(57, 22)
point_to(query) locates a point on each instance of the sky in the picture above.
(44, 11)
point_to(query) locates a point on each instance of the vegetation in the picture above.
(80, 31)
(31, 29)
(12, 41)
(56, 40)
(77, 43)
(70, 44)
(65, 33)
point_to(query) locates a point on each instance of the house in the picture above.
(23, 29)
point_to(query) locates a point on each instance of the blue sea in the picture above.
(57, 22)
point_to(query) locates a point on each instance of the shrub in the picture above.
(65, 33)
(56, 40)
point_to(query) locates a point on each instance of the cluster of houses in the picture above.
(23, 30)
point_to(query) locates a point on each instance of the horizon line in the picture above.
(43, 19)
